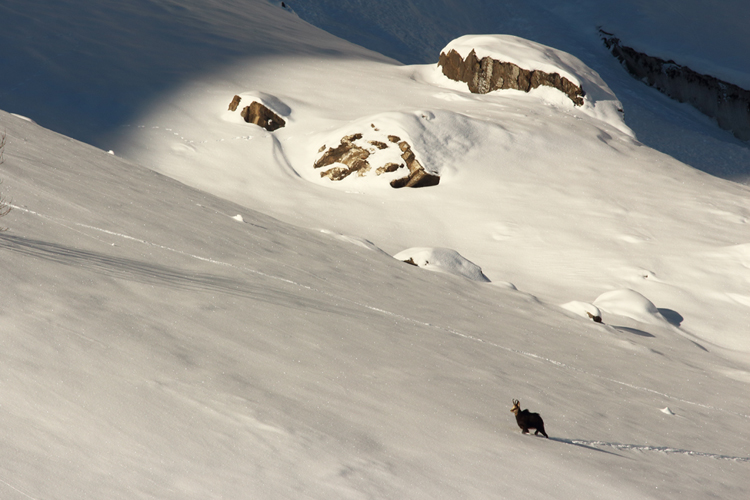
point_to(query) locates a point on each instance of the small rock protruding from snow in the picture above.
(584, 309)
(443, 260)
(235, 102)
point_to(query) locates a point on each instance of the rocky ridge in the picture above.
(487, 74)
(729, 104)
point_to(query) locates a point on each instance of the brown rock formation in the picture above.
(347, 153)
(262, 116)
(355, 158)
(487, 74)
(417, 177)
(235, 102)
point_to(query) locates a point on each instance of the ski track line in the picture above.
(17, 490)
(383, 311)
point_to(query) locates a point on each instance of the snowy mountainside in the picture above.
(156, 346)
(708, 37)
(201, 315)
(561, 201)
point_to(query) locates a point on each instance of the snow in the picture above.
(202, 315)
(630, 304)
(442, 260)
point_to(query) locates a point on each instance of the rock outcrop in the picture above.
(235, 102)
(418, 176)
(487, 74)
(348, 153)
(260, 115)
(729, 104)
(354, 153)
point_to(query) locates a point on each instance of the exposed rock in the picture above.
(347, 153)
(353, 155)
(235, 102)
(417, 177)
(726, 102)
(595, 317)
(389, 167)
(487, 74)
(260, 115)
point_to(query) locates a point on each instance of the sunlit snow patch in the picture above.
(630, 304)
(437, 140)
(442, 260)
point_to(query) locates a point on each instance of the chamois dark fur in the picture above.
(527, 420)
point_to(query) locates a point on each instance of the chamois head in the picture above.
(516, 406)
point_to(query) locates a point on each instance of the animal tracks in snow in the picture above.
(652, 449)
(188, 145)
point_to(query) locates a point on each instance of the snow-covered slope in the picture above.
(559, 200)
(239, 329)
(155, 346)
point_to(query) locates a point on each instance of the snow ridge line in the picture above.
(383, 311)
(204, 259)
(163, 247)
(660, 449)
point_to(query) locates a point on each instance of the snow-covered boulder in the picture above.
(584, 309)
(486, 74)
(442, 260)
(494, 62)
(630, 304)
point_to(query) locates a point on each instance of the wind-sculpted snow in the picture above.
(442, 260)
(629, 303)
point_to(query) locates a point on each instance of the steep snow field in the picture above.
(202, 315)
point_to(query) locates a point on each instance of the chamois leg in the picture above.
(541, 429)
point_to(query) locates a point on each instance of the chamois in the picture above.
(527, 420)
